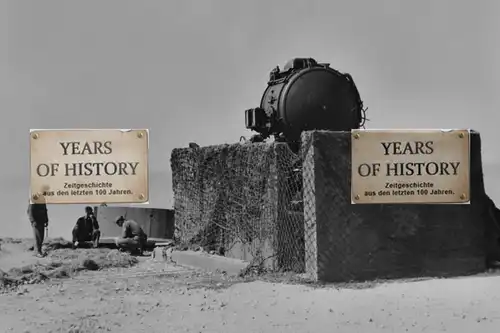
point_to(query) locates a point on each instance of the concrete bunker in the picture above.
(245, 201)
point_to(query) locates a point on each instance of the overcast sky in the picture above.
(188, 69)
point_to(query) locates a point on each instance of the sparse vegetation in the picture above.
(61, 262)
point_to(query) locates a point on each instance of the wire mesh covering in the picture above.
(242, 201)
(347, 242)
(283, 211)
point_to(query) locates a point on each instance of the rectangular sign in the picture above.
(90, 166)
(410, 166)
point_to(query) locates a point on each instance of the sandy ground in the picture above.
(15, 255)
(157, 297)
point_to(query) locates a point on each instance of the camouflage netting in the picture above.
(362, 242)
(242, 201)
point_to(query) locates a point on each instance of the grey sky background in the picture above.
(188, 69)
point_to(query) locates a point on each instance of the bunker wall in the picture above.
(233, 199)
(347, 242)
(156, 222)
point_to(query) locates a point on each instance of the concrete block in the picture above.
(208, 262)
(238, 197)
(347, 242)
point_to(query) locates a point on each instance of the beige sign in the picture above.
(410, 166)
(89, 166)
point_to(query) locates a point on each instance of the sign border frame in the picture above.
(147, 195)
(360, 130)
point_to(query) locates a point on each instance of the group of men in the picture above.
(86, 231)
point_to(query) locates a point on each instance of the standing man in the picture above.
(133, 238)
(86, 229)
(37, 214)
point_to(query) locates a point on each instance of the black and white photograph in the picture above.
(249, 166)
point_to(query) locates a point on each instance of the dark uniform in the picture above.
(37, 214)
(87, 230)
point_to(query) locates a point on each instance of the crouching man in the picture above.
(133, 238)
(86, 229)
